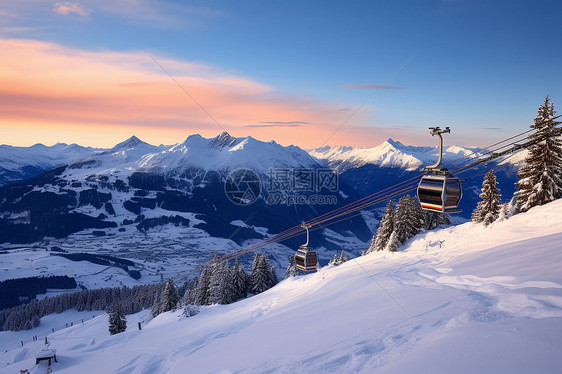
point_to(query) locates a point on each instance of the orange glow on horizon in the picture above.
(51, 93)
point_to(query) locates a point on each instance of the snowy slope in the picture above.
(464, 299)
(17, 163)
(391, 153)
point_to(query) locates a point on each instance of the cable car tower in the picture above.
(306, 258)
(439, 190)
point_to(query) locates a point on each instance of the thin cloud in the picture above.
(372, 87)
(165, 12)
(286, 123)
(138, 84)
(490, 128)
(4, 13)
(279, 124)
(13, 30)
(67, 7)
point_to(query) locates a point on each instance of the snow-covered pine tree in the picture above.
(201, 291)
(488, 210)
(292, 270)
(169, 298)
(393, 243)
(255, 263)
(156, 303)
(189, 290)
(408, 221)
(239, 280)
(260, 279)
(369, 250)
(338, 259)
(540, 180)
(221, 287)
(435, 219)
(117, 320)
(35, 321)
(273, 280)
(508, 209)
(342, 258)
(386, 227)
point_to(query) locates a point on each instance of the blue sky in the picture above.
(481, 67)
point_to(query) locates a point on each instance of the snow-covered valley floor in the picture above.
(464, 299)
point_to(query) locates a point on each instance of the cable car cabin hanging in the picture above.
(440, 191)
(305, 258)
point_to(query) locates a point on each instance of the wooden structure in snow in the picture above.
(46, 354)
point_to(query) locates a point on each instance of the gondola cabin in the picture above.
(440, 193)
(306, 259)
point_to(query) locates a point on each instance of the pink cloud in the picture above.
(79, 95)
(68, 7)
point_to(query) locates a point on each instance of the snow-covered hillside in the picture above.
(465, 299)
(165, 208)
(18, 163)
(391, 153)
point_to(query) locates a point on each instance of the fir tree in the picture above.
(156, 304)
(487, 210)
(169, 299)
(338, 259)
(188, 295)
(201, 291)
(386, 227)
(508, 209)
(292, 270)
(239, 280)
(408, 221)
(393, 242)
(117, 320)
(260, 278)
(273, 280)
(221, 287)
(435, 219)
(35, 321)
(540, 180)
(342, 258)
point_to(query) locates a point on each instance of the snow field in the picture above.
(463, 299)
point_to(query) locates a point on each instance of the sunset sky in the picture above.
(310, 73)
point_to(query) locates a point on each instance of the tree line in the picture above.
(17, 291)
(400, 224)
(219, 283)
(540, 178)
(27, 316)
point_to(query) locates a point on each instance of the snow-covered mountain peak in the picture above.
(132, 142)
(223, 140)
(393, 143)
(225, 152)
(390, 153)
